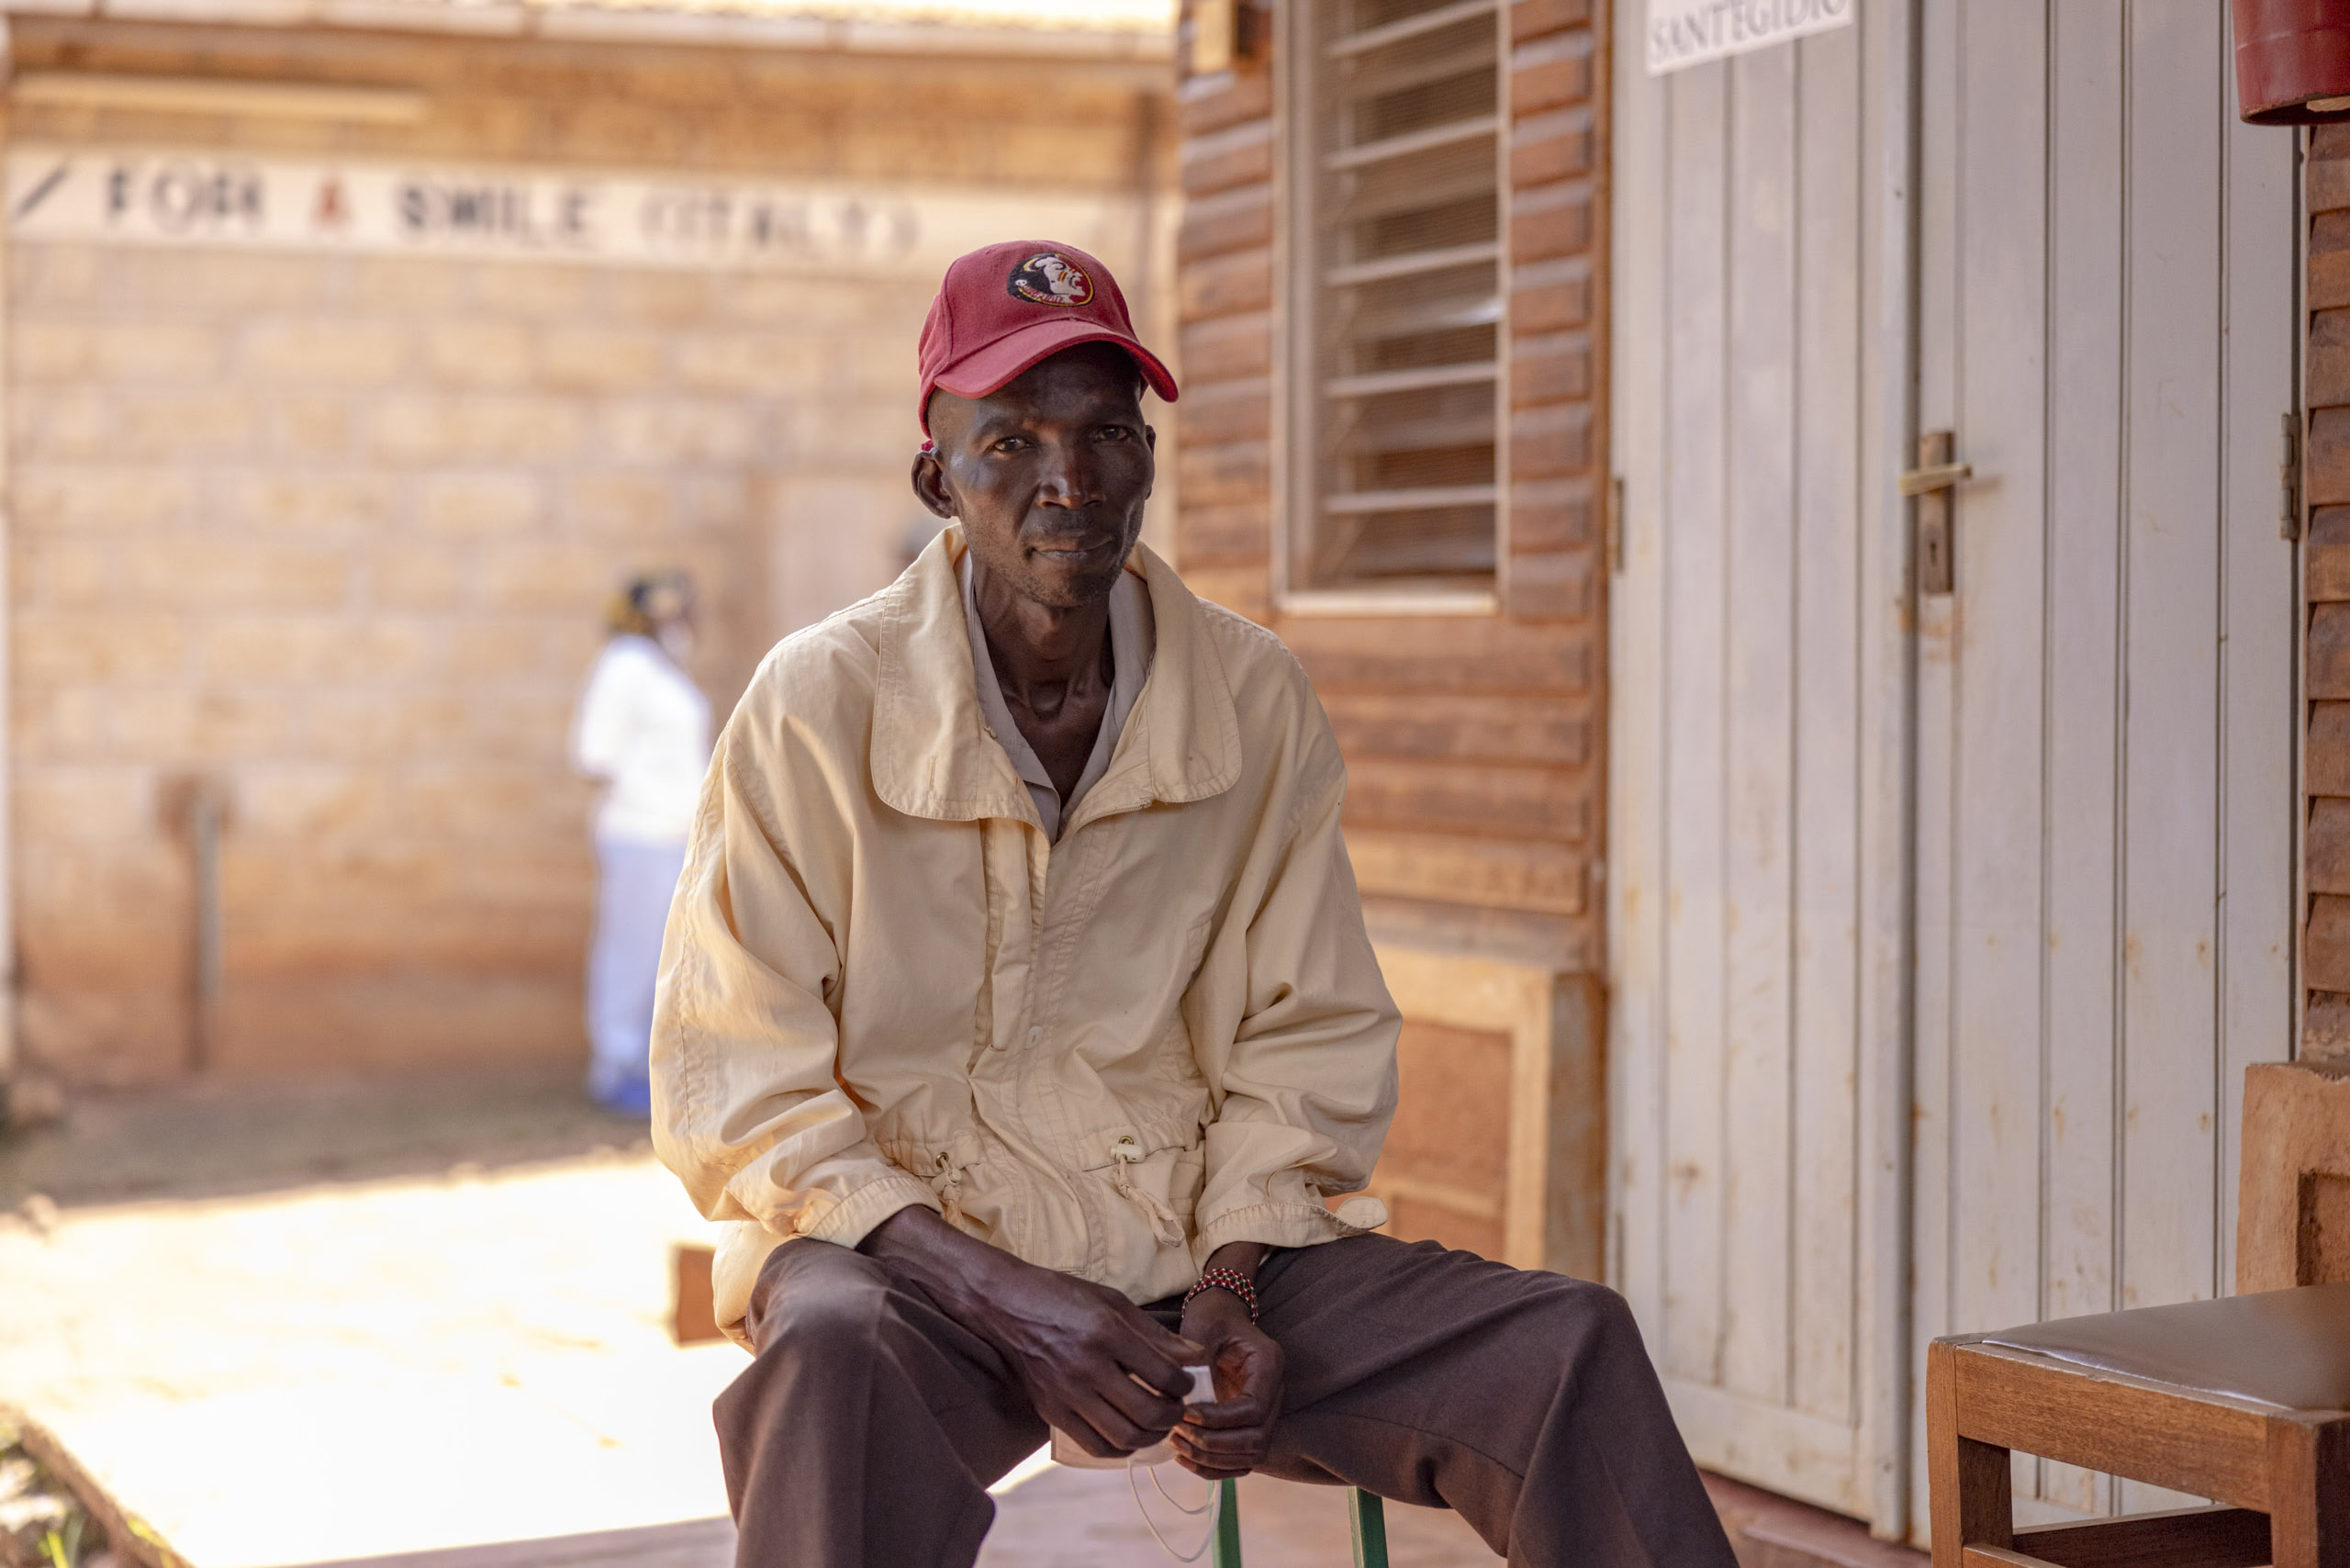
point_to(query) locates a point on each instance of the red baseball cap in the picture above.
(1005, 308)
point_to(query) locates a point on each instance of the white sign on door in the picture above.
(142, 197)
(1690, 32)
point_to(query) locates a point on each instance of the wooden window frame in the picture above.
(1294, 325)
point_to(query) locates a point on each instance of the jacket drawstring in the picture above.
(946, 1181)
(1163, 1223)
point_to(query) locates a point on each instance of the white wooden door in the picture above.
(2105, 778)
(1756, 867)
(2014, 861)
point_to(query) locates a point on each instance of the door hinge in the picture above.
(1930, 482)
(2288, 481)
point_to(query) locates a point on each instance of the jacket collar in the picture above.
(932, 756)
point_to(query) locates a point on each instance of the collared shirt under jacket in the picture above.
(1109, 1055)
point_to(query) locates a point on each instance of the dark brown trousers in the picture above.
(866, 1432)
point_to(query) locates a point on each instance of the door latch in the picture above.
(1931, 482)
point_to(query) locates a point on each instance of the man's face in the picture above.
(1048, 474)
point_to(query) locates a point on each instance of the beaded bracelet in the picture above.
(1231, 1280)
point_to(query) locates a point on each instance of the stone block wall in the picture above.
(336, 532)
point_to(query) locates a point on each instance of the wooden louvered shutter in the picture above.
(1395, 115)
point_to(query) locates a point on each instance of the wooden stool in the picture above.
(2245, 1399)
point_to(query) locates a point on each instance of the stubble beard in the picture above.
(1043, 584)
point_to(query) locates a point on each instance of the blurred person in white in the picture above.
(644, 733)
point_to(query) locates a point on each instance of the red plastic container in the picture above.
(2293, 61)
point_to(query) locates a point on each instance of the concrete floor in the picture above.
(428, 1323)
(1061, 1518)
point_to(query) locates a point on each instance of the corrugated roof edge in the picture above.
(748, 26)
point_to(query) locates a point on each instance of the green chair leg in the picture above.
(1365, 1515)
(1228, 1526)
(1369, 1516)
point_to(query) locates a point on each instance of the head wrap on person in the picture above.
(647, 602)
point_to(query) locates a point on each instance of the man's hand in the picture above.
(1089, 1361)
(1230, 1438)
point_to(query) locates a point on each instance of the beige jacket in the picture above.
(1111, 1055)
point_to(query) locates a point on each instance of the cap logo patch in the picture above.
(1050, 278)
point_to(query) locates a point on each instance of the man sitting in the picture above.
(1017, 1007)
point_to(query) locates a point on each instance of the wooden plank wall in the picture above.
(2325, 567)
(1473, 743)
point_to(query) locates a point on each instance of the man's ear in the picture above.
(929, 479)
